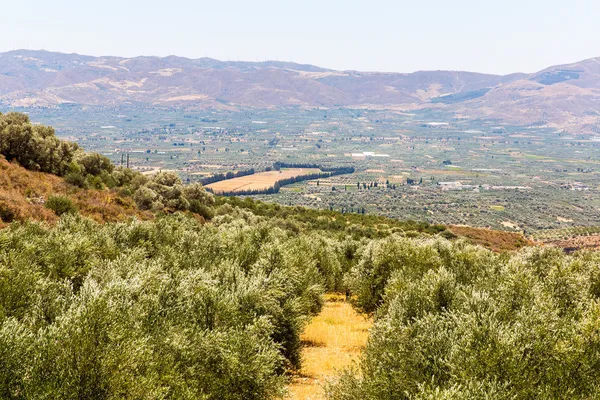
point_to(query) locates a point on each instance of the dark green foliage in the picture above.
(6, 213)
(61, 205)
(455, 321)
(35, 147)
(201, 209)
(95, 164)
(229, 175)
(76, 179)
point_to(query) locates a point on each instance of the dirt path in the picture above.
(333, 340)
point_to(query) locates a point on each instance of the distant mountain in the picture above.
(564, 97)
(45, 78)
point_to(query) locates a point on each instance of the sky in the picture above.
(492, 36)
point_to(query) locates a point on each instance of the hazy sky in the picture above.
(497, 36)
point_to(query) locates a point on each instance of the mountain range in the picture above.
(565, 97)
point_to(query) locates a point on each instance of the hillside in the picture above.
(563, 97)
(23, 196)
(173, 309)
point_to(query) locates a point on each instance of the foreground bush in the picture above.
(61, 205)
(458, 322)
(155, 310)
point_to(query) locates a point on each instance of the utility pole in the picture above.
(128, 160)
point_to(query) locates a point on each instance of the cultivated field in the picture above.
(259, 181)
(525, 179)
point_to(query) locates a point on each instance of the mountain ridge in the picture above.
(563, 96)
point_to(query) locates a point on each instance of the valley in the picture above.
(423, 165)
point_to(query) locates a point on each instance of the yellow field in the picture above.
(333, 340)
(259, 181)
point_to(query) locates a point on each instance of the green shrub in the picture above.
(7, 214)
(76, 179)
(164, 191)
(108, 180)
(460, 322)
(161, 309)
(94, 182)
(94, 163)
(61, 205)
(144, 198)
(201, 209)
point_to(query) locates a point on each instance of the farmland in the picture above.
(423, 165)
(259, 181)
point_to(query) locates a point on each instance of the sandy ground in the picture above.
(333, 340)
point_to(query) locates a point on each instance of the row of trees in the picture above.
(167, 309)
(250, 192)
(455, 321)
(173, 309)
(336, 170)
(229, 175)
(369, 185)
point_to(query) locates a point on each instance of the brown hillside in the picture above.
(494, 240)
(23, 194)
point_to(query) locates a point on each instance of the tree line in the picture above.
(456, 321)
(229, 175)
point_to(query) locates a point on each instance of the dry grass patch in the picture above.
(333, 341)
(259, 181)
(494, 240)
(591, 242)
